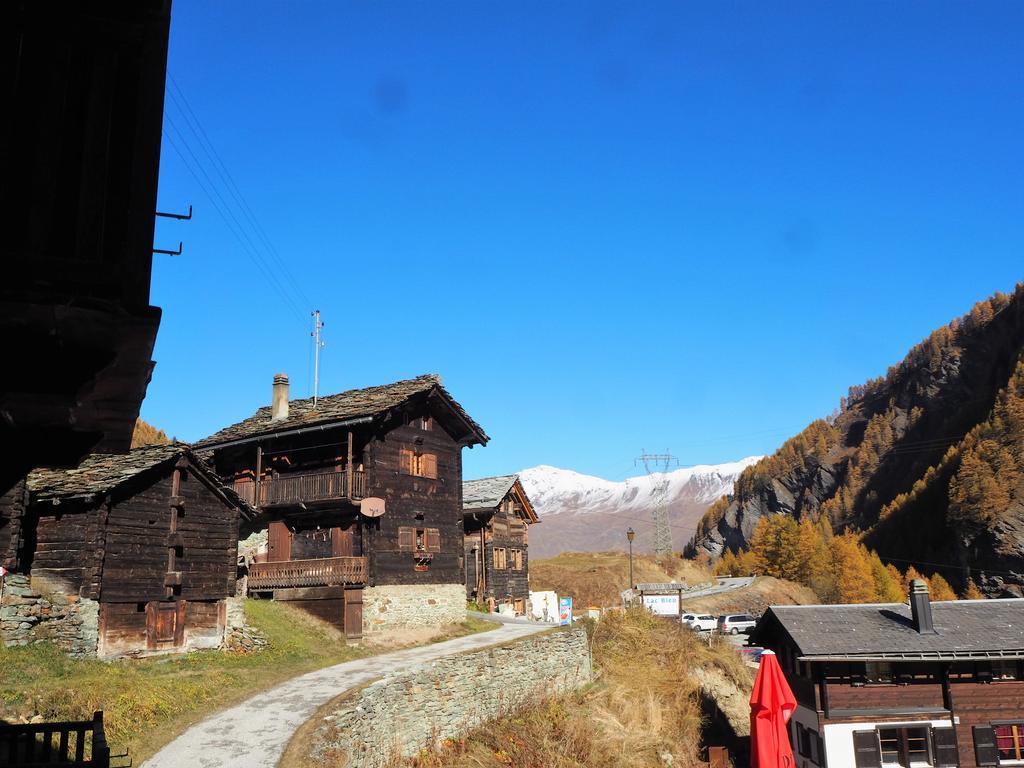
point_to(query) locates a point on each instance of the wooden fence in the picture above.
(324, 572)
(34, 745)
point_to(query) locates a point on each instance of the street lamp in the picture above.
(629, 538)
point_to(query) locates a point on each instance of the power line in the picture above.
(196, 126)
(268, 273)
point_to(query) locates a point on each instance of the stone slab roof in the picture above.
(100, 472)
(969, 627)
(344, 406)
(486, 492)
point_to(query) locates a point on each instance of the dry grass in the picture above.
(147, 702)
(643, 707)
(598, 578)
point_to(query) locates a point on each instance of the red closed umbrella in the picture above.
(771, 705)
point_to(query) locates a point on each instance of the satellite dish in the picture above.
(372, 507)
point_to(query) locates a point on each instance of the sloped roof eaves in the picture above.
(353, 404)
(100, 472)
(486, 492)
(962, 626)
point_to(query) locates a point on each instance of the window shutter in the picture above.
(406, 539)
(819, 744)
(405, 461)
(985, 750)
(944, 741)
(866, 752)
(428, 465)
(433, 540)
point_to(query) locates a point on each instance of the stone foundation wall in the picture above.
(28, 616)
(420, 707)
(238, 635)
(399, 606)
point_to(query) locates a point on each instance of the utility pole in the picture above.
(318, 344)
(629, 538)
(657, 465)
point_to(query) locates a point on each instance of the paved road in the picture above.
(255, 733)
(724, 584)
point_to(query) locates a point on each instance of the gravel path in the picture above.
(255, 733)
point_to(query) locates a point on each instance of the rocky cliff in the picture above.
(927, 461)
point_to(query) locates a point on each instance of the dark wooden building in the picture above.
(924, 684)
(361, 494)
(150, 535)
(496, 514)
(79, 159)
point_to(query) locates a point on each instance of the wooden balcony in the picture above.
(325, 572)
(302, 488)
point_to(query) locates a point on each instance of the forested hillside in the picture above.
(925, 465)
(147, 434)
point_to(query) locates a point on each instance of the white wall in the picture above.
(839, 738)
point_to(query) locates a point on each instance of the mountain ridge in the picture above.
(581, 512)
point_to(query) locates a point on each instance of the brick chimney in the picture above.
(921, 607)
(279, 400)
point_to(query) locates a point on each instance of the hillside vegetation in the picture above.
(643, 711)
(924, 466)
(147, 434)
(755, 599)
(598, 578)
(146, 702)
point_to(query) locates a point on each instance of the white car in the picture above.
(700, 622)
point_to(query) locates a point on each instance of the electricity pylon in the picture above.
(656, 465)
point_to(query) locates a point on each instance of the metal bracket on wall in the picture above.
(178, 216)
(169, 253)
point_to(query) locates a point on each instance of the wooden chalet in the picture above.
(361, 494)
(884, 686)
(79, 158)
(151, 535)
(496, 513)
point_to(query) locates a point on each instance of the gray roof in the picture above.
(487, 492)
(963, 627)
(344, 406)
(100, 472)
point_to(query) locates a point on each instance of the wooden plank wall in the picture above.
(505, 582)
(65, 548)
(12, 514)
(981, 704)
(438, 500)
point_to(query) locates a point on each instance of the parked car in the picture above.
(701, 622)
(734, 623)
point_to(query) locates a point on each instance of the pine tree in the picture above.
(851, 566)
(887, 586)
(939, 588)
(972, 592)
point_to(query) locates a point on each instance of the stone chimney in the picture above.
(279, 400)
(921, 607)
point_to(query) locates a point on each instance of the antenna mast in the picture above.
(655, 464)
(318, 344)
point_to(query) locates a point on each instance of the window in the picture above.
(905, 746)
(1004, 669)
(499, 558)
(1009, 741)
(878, 672)
(808, 743)
(419, 540)
(411, 462)
(517, 559)
(426, 423)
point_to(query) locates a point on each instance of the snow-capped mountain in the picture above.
(585, 513)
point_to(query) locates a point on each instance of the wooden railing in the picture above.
(300, 488)
(82, 744)
(325, 572)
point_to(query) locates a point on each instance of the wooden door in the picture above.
(279, 542)
(353, 613)
(165, 624)
(341, 541)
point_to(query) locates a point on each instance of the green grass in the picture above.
(146, 702)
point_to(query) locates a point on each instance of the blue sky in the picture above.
(609, 227)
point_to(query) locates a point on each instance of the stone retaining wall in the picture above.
(28, 616)
(397, 606)
(238, 635)
(405, 713)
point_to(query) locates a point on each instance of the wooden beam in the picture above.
(349, 467)
(256, 480)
